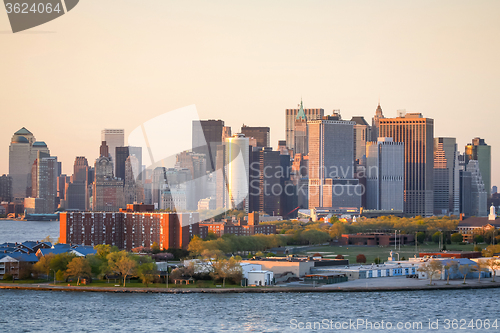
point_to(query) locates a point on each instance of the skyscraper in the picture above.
(261, 134)
(385, 175)
(331, 165)
(376, 123)
(446, 177)
(478, 150)
(362, 134)
(207, 134)
(114, 138)
(265, 190)
(237, 166)
(301, 133)
(417, 133)
(5, 188)
(44, 185)
(19, 162)
(479, 195)
(291, 116)
(122, 153)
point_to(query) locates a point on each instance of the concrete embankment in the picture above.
(286, 289)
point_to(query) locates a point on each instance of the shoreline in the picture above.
(274, 289)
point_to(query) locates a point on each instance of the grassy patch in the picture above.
(371, 252)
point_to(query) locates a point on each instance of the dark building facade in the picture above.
(5, 188)
(207, 134)
(261, 134)
(265, 190)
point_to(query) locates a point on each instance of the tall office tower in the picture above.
(19, 162)
(44, 185)
(158, 180)
(331, 164)
(478, 150)
(5, 188)
(114, 138)
(291, 116)
(207, 134)
(197, 166)
(226, 133)
(446, 177)
(122, 153)
(133, 189)
(362, 134)
(221, 194)
(62, 180)
(385, 173)
(237, 166)
(465, 193)
(38, 146)
(301, 133)
(265, 190)
(376, 123)
(261, 134)
(107, 191)
(80, 169)
(76, 192)
(479, 195)
(417, 133)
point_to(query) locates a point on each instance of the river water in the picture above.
(45, 311)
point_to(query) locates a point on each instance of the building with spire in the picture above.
(376, 123)
(301, 133)
(291, 117)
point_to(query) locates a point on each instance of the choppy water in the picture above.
(45, 311)
(20, 231)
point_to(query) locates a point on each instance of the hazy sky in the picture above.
(119, 63)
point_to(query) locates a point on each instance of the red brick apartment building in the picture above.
(133, 227)
(241, 228)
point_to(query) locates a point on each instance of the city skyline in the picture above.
(257, 60)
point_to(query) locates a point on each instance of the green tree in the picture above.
(211, 236)
(223, 269)
(478, 239)
(121, 263)
(43, 265)
(79, 267)
(420, 237)
(155, 248)
(457, 237)
(336, 230)
(60, 261)
(436, 237)
(147, 272)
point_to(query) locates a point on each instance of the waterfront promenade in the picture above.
(362, 285)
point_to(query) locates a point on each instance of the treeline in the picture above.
(108, 263)
(427, 226)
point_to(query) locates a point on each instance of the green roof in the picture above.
(23, 131)
(301, 114)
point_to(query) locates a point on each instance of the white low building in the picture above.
(260, 278)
